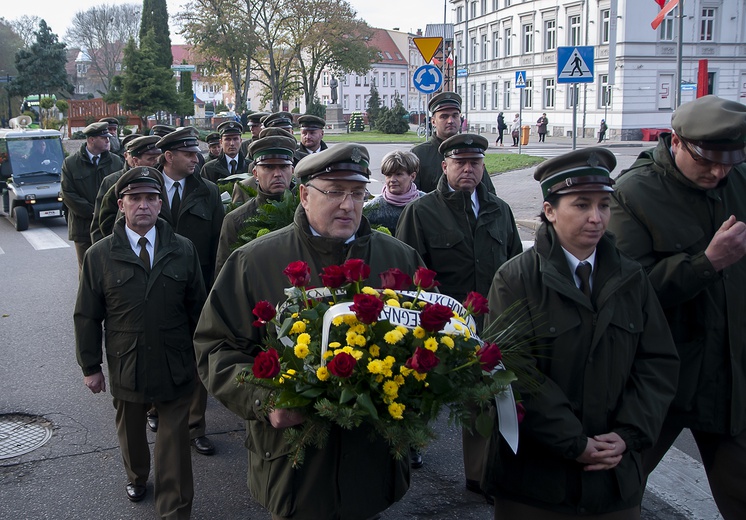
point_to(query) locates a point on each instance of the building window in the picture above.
(357, 80)
(460, 51)
(494, 5)
(385, 78)
(357, 101)
(365, 80)
(549, 91)
(550, 35)
(495, 94)
(604, 91)
(473, 10)
(375, 79)
(605, 25)
(574, 34)
(667, 29)
(508, 42)
(474, 50)
(572, 94)
(460, 14)
(403, 82)
(325, 79)
(506, 95)
(528, 94)
(346, 80)
(495, 44)
(473, 97)
(528, 38)
(707, 24)
(484, 96)
(346, 102)
(485, 50)
(484, 7)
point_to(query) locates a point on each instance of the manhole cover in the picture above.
(21, 434)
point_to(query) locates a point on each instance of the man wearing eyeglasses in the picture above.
(353, 475)
(680, 211)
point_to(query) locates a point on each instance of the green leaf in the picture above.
(484, 424)
(312, 392)
(290, 400)
(347, 395)
(366, 404)
(285, 328)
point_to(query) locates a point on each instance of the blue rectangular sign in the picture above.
(575, 64)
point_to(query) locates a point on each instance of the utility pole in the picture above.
(679, 52)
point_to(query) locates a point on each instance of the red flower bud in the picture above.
(342, 365)
(366, 308)
(264, 311)
(425, 278)
(266, 364)
(395, 279)
(423, 360)
(356, 270)
(298, 273)
(476, 304)
(520, 410)
(332, 276)
(435, 316)
(489, 356)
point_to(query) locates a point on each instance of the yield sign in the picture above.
(427, 46)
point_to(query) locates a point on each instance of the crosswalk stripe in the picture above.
(43, 238)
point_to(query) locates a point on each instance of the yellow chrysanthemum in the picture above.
(393, 302)
(405, 371)
(294, 315)
(379, 378)
(419, 332)
(350, 336)
(431, 344)
(360, 341)
(447, 341)
(392, 337)
(304, 339)
(391, 389)
(458, 327)
(337, 321)
(399, 379)
(358, 329)
(396, 410)
(389, 361)
(335, 344)
(390, 293)
(301, 350)
(328, 354)
(298, 327)
(407, 305)
(374, 350)
(467, 334)
(369, 290)
(418, 376)
(421, 304)
(290, 372)
(322, 373)
(404, 330)
(376, 366)
(349, 319)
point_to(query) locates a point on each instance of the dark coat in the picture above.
(352, 477)
(106, 184)
(149, 319)
(665, 222)
(302, 151)
(602, 369)
(466, 259)
(80, 183)
(431, 166)
(218, 168)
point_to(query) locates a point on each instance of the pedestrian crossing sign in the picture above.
(520, 79)
(575, 64)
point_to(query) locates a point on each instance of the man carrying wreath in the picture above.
(352, 476)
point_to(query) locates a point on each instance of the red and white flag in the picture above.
(664, 11)
(449, 59)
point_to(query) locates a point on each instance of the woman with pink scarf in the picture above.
(400, 169)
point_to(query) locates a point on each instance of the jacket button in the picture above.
(552, 330)
(678, 246)
(257, 403)
(706, 273)
(267, 454)
(631, 325)
(119, 281)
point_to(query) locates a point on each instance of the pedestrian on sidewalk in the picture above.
(515, 129)
(602, 130)
(541, 127)
(501, 127)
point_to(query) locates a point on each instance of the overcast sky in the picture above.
(407, 15)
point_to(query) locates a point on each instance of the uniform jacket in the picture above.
(217, 169)
(352, 478)
(148, 319)
(80, 183)
(606, 368)
(665, 222)
(438, 226)
(302, 151)
(106, 184)
(431, 166)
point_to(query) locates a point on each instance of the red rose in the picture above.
(333, 276)
(435, 316)
(264, 311)
(356, 270)
(266, 364)
(489, 356)
(298, 273)
(423, 360)
(520, 412)
(366, 308)
(476, 304)
(395, 279)
(425, 278)
(342, 365)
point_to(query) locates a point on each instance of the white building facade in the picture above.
(495, 38)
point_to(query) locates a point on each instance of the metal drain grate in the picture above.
(21, 434)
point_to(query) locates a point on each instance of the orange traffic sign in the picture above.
(428, 46)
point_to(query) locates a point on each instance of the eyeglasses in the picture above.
(701, 160)
(337, 197)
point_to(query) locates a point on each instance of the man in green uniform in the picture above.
(82, 173)
(680, 210)
(115, 146)
(311, 136)
(352, 476)
(213, 146)
(230, 161)
(464, 233)
(446, 113)
(144, 284)
(254, 126)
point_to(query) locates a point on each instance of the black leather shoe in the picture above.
(203, 445)
(473, 486)
(415, 459)
(153, 423)
(135, 492)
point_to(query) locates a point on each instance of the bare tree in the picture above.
(25, 27)
(103, 31)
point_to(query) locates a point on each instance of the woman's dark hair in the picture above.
(552, 200)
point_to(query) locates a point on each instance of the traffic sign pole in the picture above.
(520, 83)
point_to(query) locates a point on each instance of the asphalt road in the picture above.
(78, 473)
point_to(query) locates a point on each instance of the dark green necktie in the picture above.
(583, 271)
